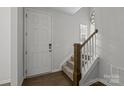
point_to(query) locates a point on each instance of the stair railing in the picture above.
(84, 54)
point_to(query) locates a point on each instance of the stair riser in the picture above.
(72, 58)
(68, 73)
(70, 65)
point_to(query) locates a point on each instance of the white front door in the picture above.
(38, 43)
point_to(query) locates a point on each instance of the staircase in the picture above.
(68, 67)
(77, 66)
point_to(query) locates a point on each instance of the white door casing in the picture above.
(38, 38)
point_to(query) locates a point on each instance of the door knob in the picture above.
(50, 46)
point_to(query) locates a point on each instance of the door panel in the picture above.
(38, 39)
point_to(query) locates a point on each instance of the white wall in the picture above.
(5, 45)
(16, 46)
(14, 65)
(65, 33)
(20, 45)
(65, 29)
(110, 22)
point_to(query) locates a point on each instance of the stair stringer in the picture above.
(91, 73)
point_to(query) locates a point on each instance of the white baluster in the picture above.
(84, 58)
(95, 45)
(81, 58)
(90, 51)
(87, 54)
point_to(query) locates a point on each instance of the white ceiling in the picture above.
(68, 10)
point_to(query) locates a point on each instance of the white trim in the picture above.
(25, 46)
(25, 30)
(56, 70)
(51, 42)
(96, 80)
(41, 74)
(20, 83)
(102, 81)
(14, 61)
(38, 11)
(5, 81)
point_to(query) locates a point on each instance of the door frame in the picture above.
(25, 38)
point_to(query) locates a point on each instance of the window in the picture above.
(83, 32)
(92, 21)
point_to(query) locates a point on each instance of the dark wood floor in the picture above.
(97, 84)
(53, 79)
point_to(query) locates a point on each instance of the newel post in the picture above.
(77, 64)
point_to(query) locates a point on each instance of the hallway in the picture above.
(52, 79)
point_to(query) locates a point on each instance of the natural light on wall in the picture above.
(84, 33)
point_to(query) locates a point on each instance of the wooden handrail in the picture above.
(96, 31)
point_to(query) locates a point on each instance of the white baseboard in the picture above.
(102, 81)
(20, 83)
(97, 79)
(5, 81)
(56, 70)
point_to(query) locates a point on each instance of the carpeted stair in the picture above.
(68, 67)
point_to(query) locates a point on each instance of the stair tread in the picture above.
(72, 58)
(71, 62)
(68, 71)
